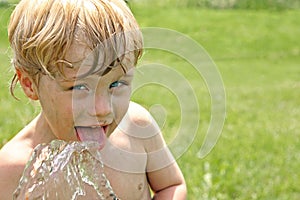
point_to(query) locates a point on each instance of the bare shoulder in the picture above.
(13, 158)
(16, 151)
(139, 123)
(139, 115)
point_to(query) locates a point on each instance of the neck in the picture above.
(41, 132)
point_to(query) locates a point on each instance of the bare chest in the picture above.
(128, 185)
(125, 163)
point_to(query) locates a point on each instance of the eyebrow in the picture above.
(128, 75)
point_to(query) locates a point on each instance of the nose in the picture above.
(102, 107)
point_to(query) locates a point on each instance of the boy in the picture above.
(77, 58)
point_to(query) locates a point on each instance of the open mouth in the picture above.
(92, 133)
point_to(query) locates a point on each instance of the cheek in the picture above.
(120, 104)
(57, 103)
(57, 109)
(79, 107)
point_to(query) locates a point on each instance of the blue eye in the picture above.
(79, 87)
(116, 84)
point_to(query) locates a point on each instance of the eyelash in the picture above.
(79, 87)
(117, 84)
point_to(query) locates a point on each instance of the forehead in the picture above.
(80, 60)
(77, 52)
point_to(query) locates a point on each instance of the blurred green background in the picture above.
(256, 46)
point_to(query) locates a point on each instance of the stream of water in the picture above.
(65, 171)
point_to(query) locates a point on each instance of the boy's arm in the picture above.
(8, 181)
(164, 175)
(10, 173)
(168, 183)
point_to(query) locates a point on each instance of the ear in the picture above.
(27, 84)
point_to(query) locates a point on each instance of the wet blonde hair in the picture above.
(41, 31)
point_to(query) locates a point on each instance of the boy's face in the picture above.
(87, 109)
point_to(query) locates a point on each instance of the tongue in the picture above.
(91, 134)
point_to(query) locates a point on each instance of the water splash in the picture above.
(62, 170)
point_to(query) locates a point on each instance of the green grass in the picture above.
(224, 4)
(13, 114)
(257, 53)
(258, 56)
